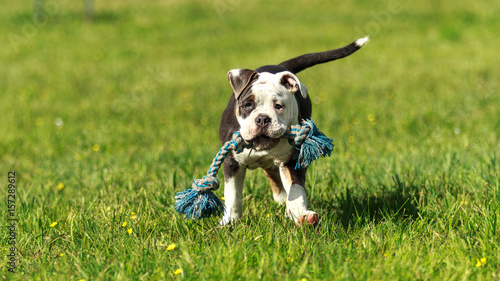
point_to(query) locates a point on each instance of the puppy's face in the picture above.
(266, 106)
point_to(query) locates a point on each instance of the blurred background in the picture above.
(112, 71)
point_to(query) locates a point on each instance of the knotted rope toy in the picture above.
(199, 201)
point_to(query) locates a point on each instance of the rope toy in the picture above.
(199, 201)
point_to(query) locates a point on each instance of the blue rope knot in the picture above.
(206, 183)
(310, 142)
(298, 133)
(238, 144)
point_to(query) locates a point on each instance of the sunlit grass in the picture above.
(105, 121)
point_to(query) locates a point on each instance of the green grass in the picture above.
(411, 191)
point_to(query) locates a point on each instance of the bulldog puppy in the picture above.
(264, 104)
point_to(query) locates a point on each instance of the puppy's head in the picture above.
(265, 104)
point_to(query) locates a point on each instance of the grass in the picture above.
(104, 121)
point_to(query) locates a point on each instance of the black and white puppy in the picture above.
(264, 104)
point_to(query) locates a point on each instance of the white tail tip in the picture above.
(361, 41)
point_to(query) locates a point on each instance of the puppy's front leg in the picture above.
(234, 176)
(273, 175)
(296, 204)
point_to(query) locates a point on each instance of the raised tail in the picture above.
(300, 63)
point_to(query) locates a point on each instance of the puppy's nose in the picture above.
(262, 120)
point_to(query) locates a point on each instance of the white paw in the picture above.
(225, 221)
(304, 217)
(228, 219)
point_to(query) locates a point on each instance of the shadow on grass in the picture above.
(398, 201)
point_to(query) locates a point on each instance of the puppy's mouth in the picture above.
(263, 142)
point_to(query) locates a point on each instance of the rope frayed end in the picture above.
(196, 204)
(199, 201)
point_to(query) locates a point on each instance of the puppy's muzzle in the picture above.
(262, 139)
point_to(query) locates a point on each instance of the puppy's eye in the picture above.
(278, 106)
(248, 106)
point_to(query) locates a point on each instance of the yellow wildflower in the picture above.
(60, 186)
(129, 231)
(96, 147)
(53, 224)
(481, 262)
(171, 247)
(178, 271)
(124, 224)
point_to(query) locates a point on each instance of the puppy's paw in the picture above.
(308, 218)
(228, 219)
(225, 221)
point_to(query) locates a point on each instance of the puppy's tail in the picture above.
(300, 63)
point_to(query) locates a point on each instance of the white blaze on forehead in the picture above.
(284, 81)
(268, 90)
(273, 80)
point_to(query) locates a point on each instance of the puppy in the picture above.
(264, 104)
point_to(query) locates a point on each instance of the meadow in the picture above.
(103, 121)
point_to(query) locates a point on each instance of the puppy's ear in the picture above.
(293, 84)
(240, 79)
